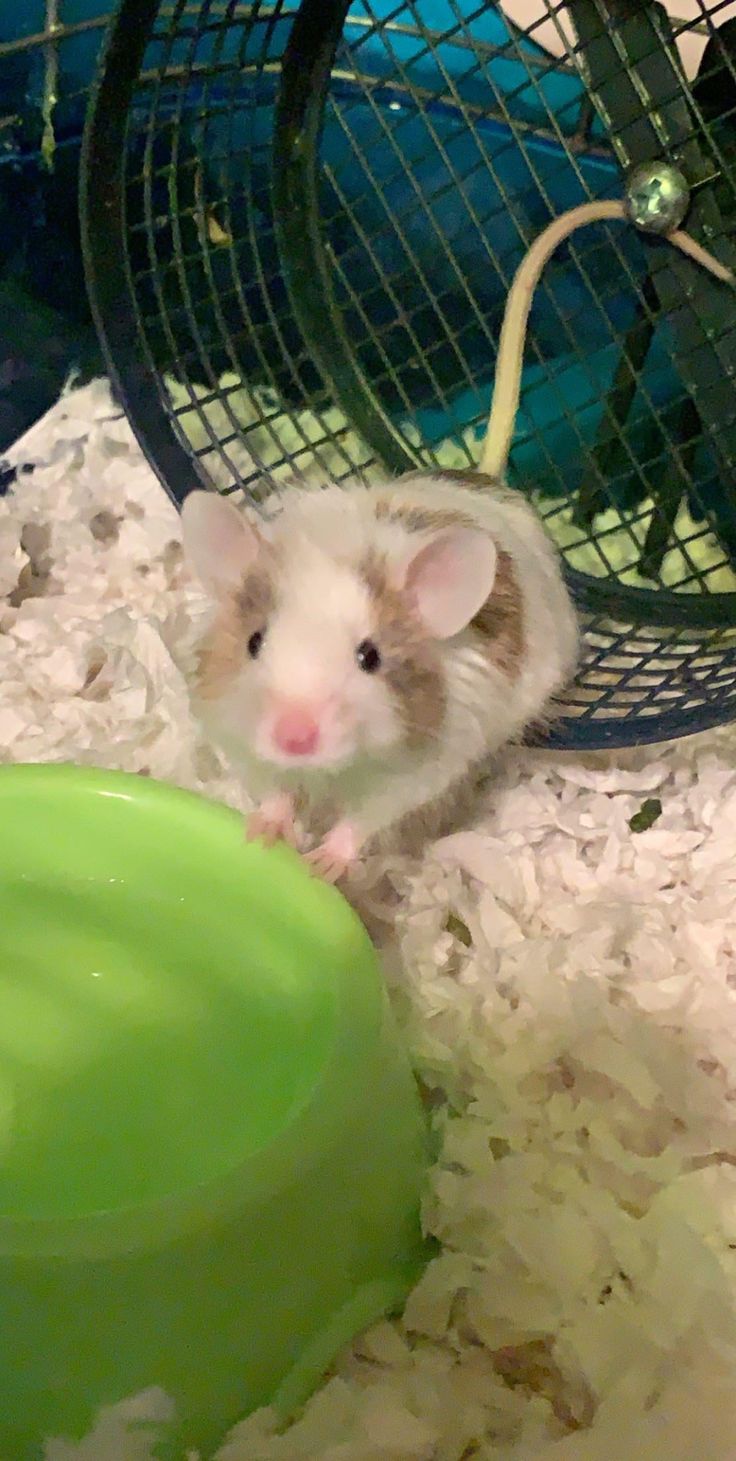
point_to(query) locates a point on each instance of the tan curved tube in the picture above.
(505, 403)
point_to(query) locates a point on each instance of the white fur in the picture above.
(323, 613)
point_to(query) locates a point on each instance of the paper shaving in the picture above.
(567, 989)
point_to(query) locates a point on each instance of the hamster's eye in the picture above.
(254, 644)
(368, 656)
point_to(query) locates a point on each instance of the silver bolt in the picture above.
(657, 197)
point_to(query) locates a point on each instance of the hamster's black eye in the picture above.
(254, 644)
(368, 656)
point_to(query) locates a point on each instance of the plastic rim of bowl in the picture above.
(360, 1007)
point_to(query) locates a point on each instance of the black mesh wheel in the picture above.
(300, 224)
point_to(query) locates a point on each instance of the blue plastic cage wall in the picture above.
(48, 54)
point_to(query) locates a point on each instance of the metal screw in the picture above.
(657, 197)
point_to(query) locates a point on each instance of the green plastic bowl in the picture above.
(211, 1144)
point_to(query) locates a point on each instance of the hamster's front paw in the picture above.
(336, 855)
(273, 822)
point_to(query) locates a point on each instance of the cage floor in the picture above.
(566, 984)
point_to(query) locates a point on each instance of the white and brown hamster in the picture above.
(372, 647)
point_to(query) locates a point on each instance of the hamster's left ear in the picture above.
(220, 544)
(450, 578)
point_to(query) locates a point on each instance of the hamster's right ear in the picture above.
(220, 545)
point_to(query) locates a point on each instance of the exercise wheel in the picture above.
(300, 224)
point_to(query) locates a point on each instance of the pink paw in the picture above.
(272, 822)
(336, 855)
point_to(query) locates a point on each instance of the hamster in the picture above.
(372, 647)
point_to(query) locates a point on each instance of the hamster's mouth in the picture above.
(327, 759)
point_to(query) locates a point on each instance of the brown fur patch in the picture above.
(410, 659)
(500, 622)
(255, 601)
(420, 519)
(224, 649)
(453, 808)
(465, 477)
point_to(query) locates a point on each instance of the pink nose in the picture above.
(296, 732)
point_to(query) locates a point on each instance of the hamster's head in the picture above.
(328, 645)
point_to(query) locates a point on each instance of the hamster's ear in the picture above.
(220, 545)
(450, 579)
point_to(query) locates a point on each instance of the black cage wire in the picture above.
(300, 224)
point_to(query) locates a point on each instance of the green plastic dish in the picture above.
(211, 1145)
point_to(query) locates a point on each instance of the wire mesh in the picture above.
(45, 75)
(301, 224)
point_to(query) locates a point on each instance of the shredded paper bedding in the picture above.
(566, 983)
